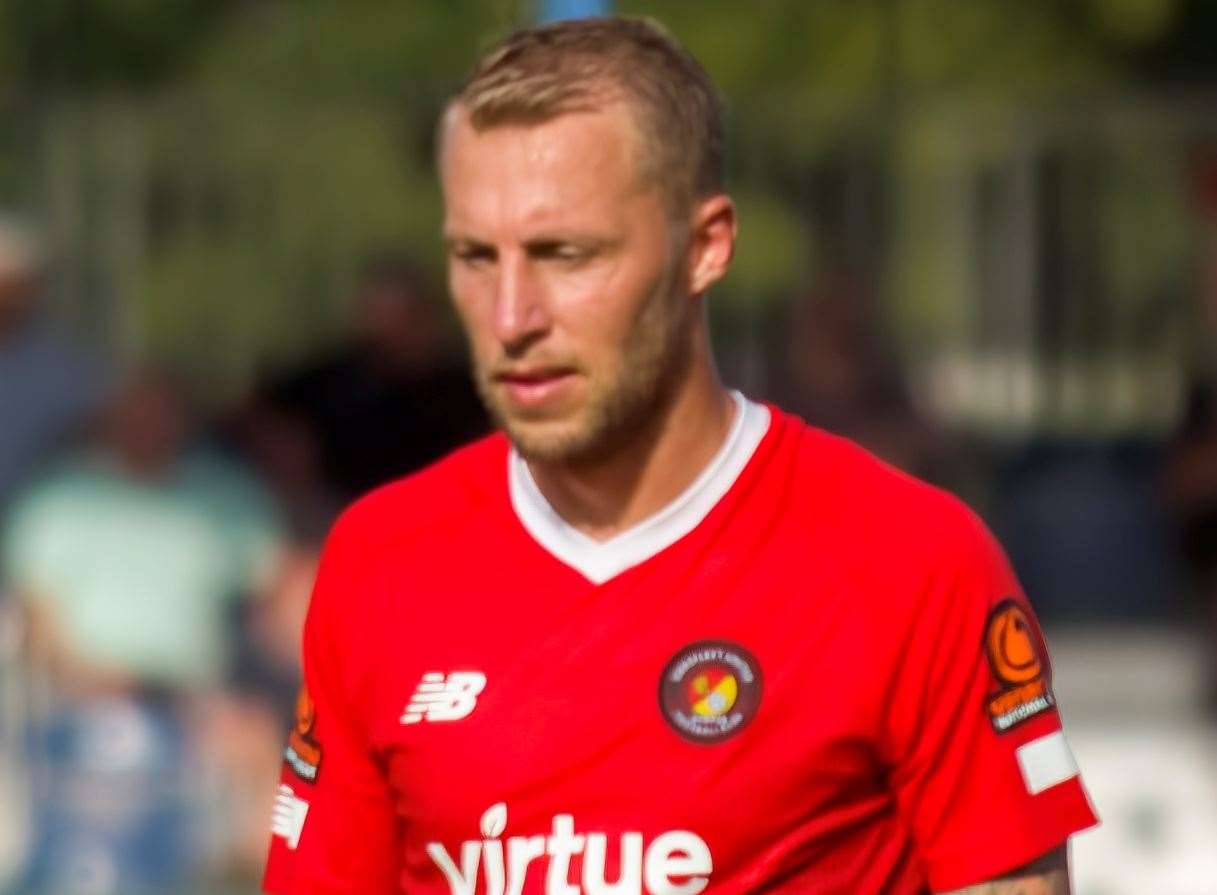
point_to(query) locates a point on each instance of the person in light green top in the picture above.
(128, 558)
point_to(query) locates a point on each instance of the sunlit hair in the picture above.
(539, 73)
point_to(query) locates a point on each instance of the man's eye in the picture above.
(568, 254)
(475, 255)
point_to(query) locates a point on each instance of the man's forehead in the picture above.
(612, 122)
(551, 167)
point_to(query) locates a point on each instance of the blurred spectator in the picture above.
(267, 663)
(1192, 483)
(242, 734)
(1192, 474)
(393, 397)
(285, 448)
(47, 388)
(127, 559)
(127, 553)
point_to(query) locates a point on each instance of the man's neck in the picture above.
(607, 497)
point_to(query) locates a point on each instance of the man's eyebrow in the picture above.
(581, 240)
(541, 243)
(453, 240)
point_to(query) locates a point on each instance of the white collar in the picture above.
(598, 561)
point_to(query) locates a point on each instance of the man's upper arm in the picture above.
(1047, 876)
(334, 825)
(980, 767)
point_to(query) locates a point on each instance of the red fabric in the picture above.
(870, 765)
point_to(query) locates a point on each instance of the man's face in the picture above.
(565, 272)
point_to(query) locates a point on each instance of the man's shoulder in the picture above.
(847, 488)
(903, 549)
(451, 489)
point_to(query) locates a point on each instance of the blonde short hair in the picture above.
(537, 74)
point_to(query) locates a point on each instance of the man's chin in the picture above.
(552, 441)
(540, 442)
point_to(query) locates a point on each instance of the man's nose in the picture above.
(520, 310)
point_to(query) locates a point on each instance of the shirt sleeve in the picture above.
(979, 764)
(333, 828)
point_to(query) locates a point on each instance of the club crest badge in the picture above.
(710, 690)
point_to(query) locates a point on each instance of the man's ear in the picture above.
(712, 229)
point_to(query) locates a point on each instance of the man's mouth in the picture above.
(535, 386)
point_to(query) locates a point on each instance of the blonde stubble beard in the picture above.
(656, 362)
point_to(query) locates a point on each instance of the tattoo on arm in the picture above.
(1048, 875)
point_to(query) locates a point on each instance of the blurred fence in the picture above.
(1035, 268)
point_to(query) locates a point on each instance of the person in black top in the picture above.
(390, 399)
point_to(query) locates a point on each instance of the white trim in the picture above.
(289, 815)
(598, 561)
(1045, 762)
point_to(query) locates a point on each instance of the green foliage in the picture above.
(1134, 22)
(85, 44)
(296, 195)
(774, 251)
(287, 138)
(358, 49)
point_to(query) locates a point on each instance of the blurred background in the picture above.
(980, 237)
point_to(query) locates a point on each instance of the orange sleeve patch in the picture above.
(1016, 654)
(303, 752)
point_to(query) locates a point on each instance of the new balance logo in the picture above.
(287, 821)
(440, 698)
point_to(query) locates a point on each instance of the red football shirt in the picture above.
(811, 673)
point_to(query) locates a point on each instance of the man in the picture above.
(658, 638)
(49, 390)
